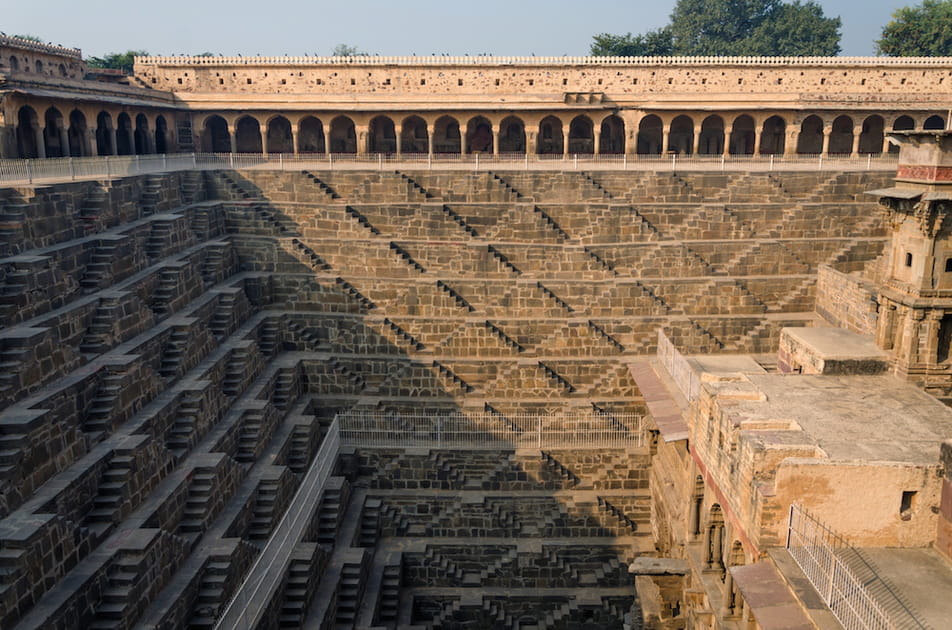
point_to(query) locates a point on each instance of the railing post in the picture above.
(108, 173)
(771, 161)
(429, 162)
(789, 526)
(624, 161)
(29, 169)
(477, 161)
(539, 431)
(138, 165)
(72, 172)
(281, 161)
(869, 161)
(575, 161)
(194, 160)
(231, 160)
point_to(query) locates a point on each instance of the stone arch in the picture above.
(681, 135)
(743, 136)
(810, 139)
(54, 134)
(697, 504)
(550, 136)
(124, 145)
(581, 135)
(773, 136)
(711, 141)
(343, 135)
(512, 135)
(841, 136)
(934, 122)
(479, 135)
(78, 138)
(733, 602)
(279, 138)
(414, 137)
(248, 135)
(142, 135)
(104, 134)
(38, 66)
(161, 135)
(311, 135)
(903, 123)
(14, 64)
(446, 136)
(382, 136)
(28, 133)
(612, 138)
(872, 134)
(650, 136)
(215, 136)
(714, 540)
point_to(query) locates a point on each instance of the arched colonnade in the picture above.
(604, 133)
(57, 131)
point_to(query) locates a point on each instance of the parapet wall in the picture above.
(846, 300)
(572, 80)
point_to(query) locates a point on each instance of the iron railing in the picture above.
(54, 170)
(821, 554)
(579, 431)
(258, 588)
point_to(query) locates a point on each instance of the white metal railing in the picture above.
(258, 588)
(683, 375)
(820, 552)
(580, 431)
(54, 170)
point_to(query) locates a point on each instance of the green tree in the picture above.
(117, 61)
(734, 27)
(653, 43)
(919, 31)
(343, 50)
(32, 38)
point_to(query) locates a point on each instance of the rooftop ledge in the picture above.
(478, 60)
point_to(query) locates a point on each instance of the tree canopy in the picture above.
(733, 27)
(344, 50)
(116, 61)
(919, 31)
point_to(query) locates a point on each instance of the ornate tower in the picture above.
(915, 317)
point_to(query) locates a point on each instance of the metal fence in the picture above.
(258, 589)
(53, 170)
(579, 431)
(820, 553)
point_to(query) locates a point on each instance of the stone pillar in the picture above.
(790, 144)
(295, 132)
(64, 140)
(932, 336)
(707, 556)
(532, 147)
(399, 135)
(363, 138)
(597, 139)
(694, 518)
(462, 141)
(664, 138)
(565, 138)
(827, 130)
(430, 129)
(263, 132)
(233, 137)
(327, 138)
(729, 607)
(697, 140)
(758, 133)
(885, 144)
(495, 132)
(40, 142)
(91, 140)
(717, 547)
(855, 150)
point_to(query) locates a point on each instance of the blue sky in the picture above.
(422, 27)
